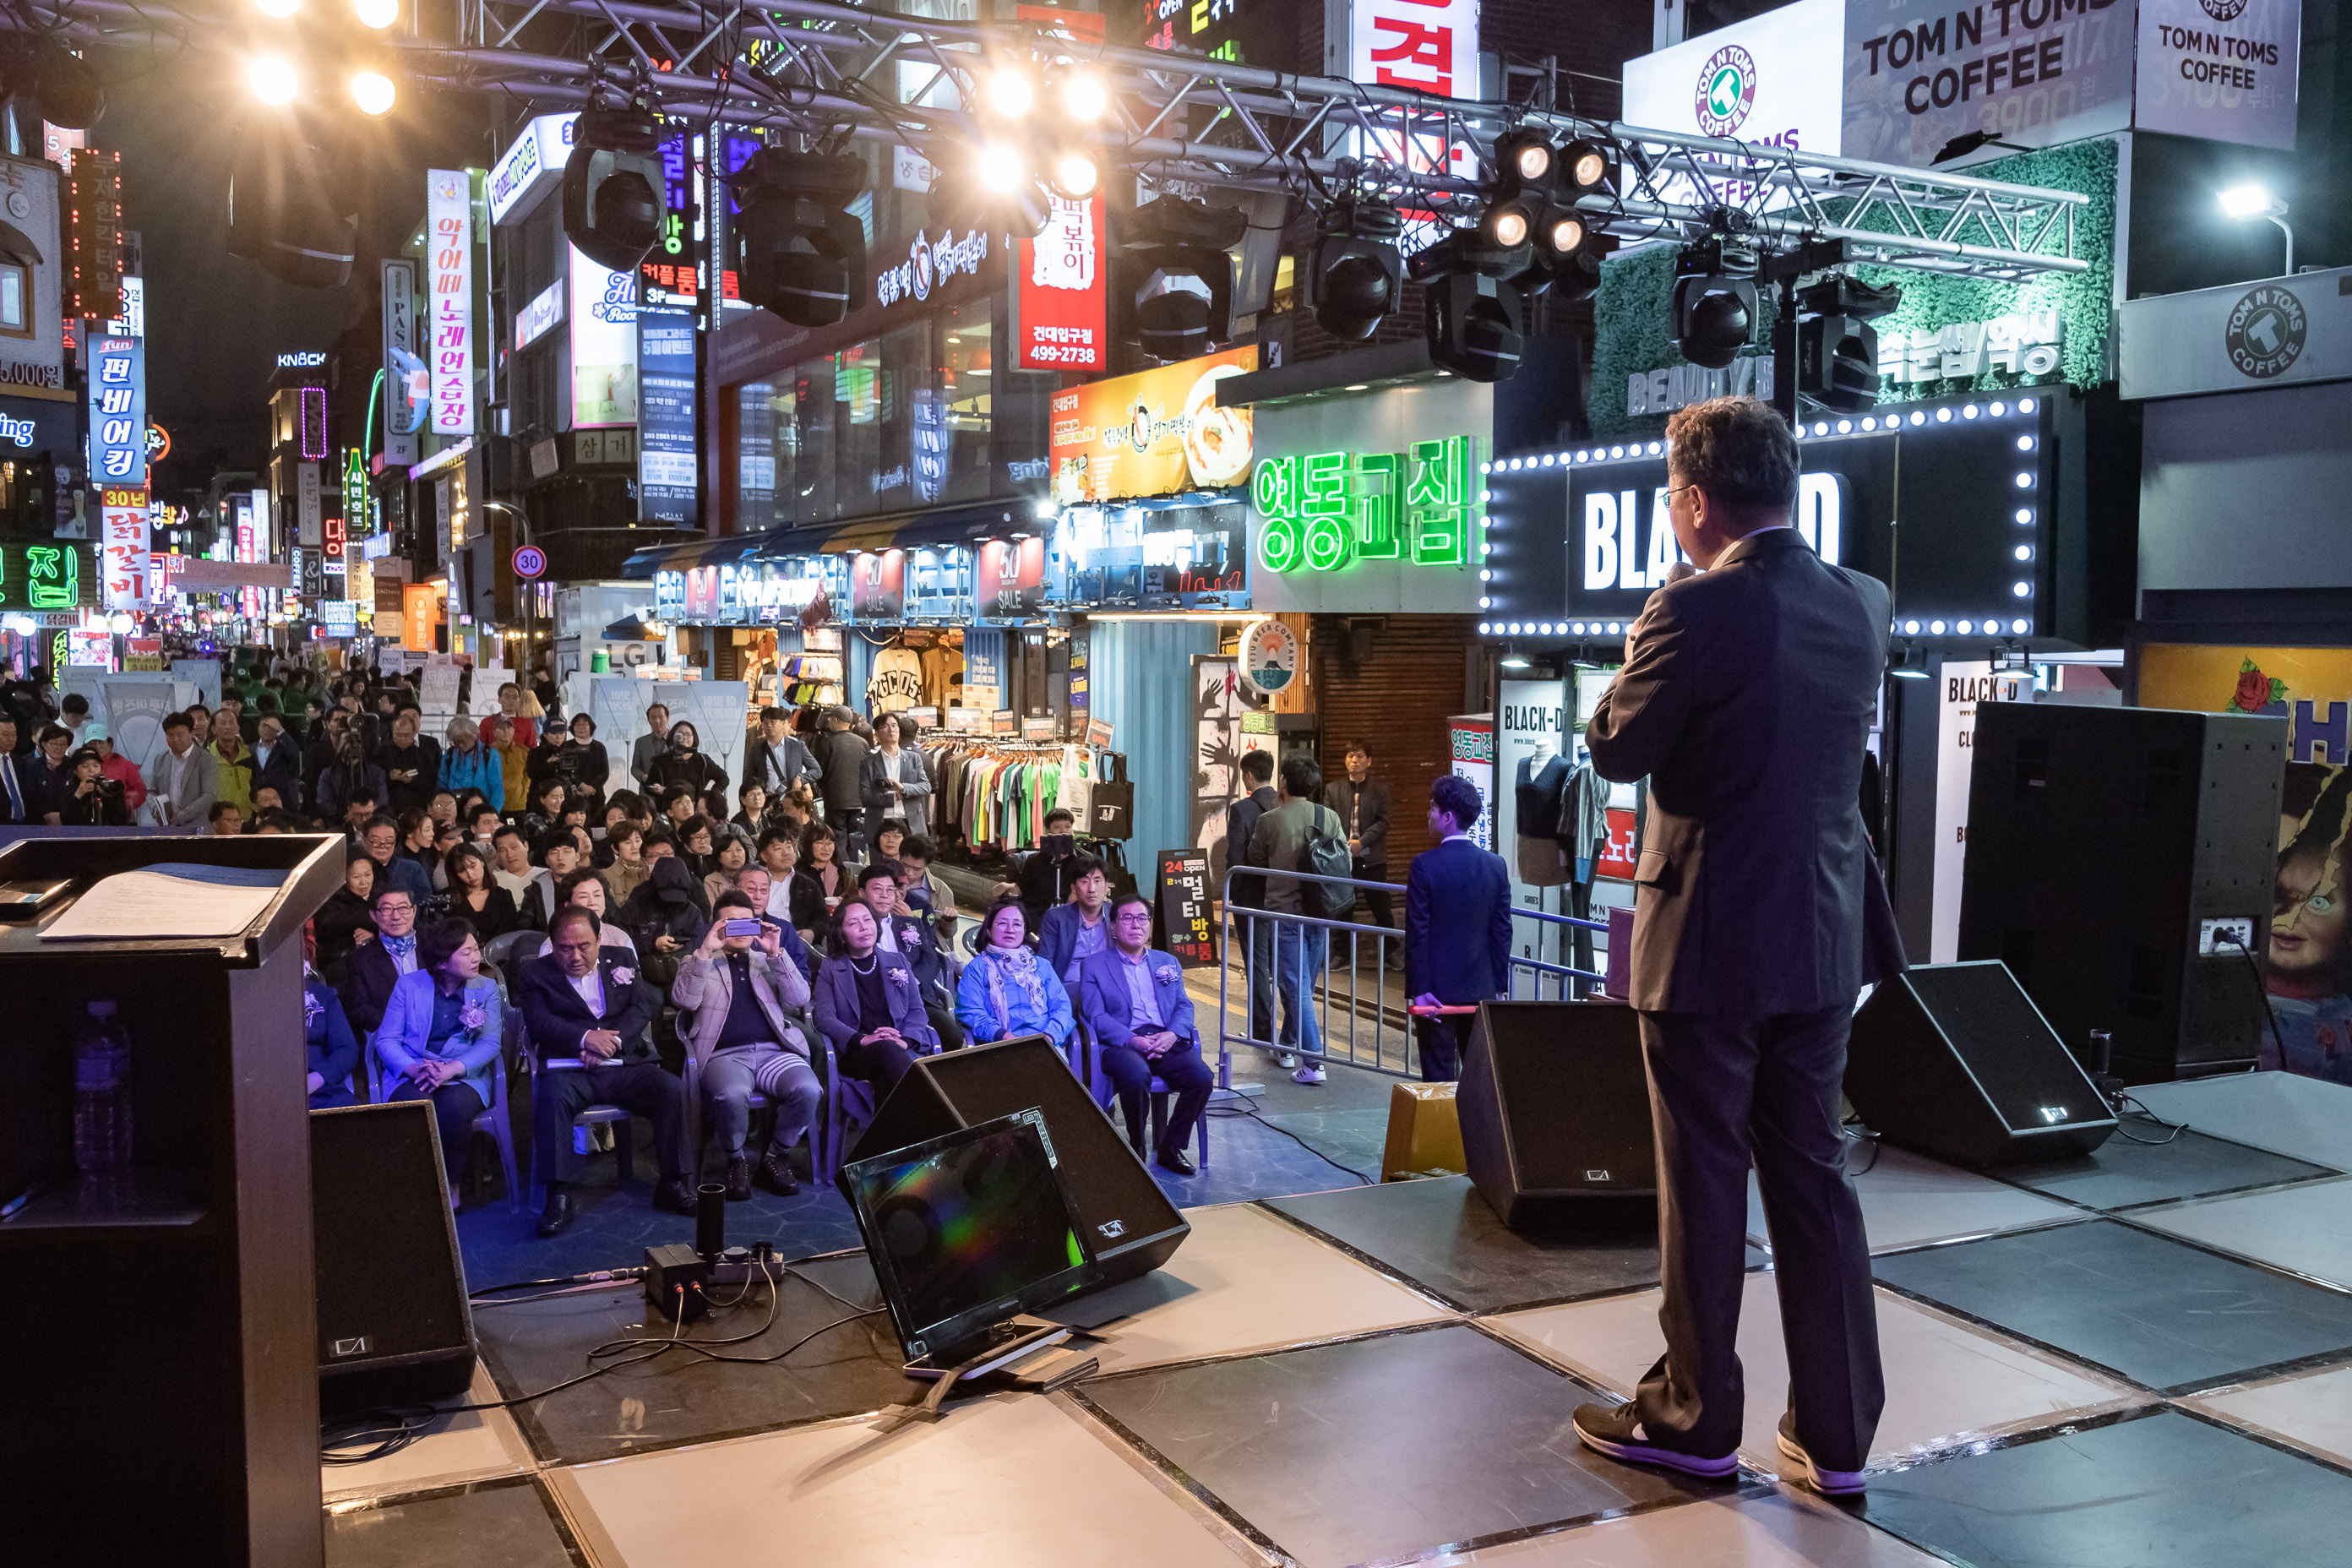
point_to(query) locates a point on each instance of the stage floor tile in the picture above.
(1946, 1382)
(1774, 1530)
(2305, 1229)
(1242, 1282)
(475, 1445)
(682, 1397)
(1383, 1448)
(2161, 1489)
(1016, 1481)
(2120, 1173)
(511, 1523)
(2312, 1410)
(1441, 1235)
(1908, 1200)
(2304, 1117)
(2153, 1310)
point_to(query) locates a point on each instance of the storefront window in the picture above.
(857, 394)
(806, 414)
(967, 388)
(755, 461)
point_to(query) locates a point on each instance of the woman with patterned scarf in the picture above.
(1006, 990)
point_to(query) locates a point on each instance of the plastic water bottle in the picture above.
(101, 1052)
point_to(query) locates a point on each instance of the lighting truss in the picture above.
(833, 73)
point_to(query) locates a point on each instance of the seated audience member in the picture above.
(510, 865)
(667, 916)
(559, 856)
(440, 1036)
(443, 809)
(583, 889)
(1045, 876)
(747, 996)
(475, 894)
(755, 884)
(381, 839)
(225, 820)
(750, 819)
(821, 864)
(546, 809)
(909, 936)
(697, 845)
(1141, 1020)
(926, 889)
(375, 966)
(277, 762)
(482, 821)
(1081, 928)
(88, 797)
(868, 1004)
(588, 1003)
(889, 838)
(791, 896)
(416, 834)
(332, 1049)
(350, 782)
(274, 821)
(116, 766)
(335, 928)
(727, 863)
(625, 844)
(1007, 990)
(679, 808)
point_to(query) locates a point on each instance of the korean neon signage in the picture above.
(449, 257)
(1329, 510)
(42, 576)
(117, 410)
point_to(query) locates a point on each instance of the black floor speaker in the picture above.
(1133, 1226)
(1954, 1061)
(1555, 1113)
(2104, 844)
(394, 1325)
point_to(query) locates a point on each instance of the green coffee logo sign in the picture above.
(1330, 511)
(1727, 90)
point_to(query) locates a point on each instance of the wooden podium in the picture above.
(162, 1371)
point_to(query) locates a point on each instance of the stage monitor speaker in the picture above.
(1133, 1226)
(394, 1325)
(2106, 848)
(1955, 1060)
(1554, 1111)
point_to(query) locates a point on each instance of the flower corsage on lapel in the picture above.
(473, 1016)
(901, 978)
(312, 1009)
(623, 976)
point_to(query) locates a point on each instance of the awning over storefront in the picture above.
(694, 550)
(907, 530)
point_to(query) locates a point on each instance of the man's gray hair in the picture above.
(1735, 449)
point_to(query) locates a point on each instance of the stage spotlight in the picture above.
(1473, 325)
(614, 206)
(1175, 274)
(1075, 175)
(1001, 167)
(1506, 226)
(278, 10)
(1084, 96)
(1562, 233)
(1356, 273)
(1010, 94)
(1584, 165)
(1714, 301)
(803, 253)
(376, 13)
(372, 91)
(1837, 350)
(66, 89)
(1523, 158)
(272, 79)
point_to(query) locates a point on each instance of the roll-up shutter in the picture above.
(1396, 699)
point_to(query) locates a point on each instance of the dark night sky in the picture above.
(216, 322)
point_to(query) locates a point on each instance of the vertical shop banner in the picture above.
(1184, 905)
(407, 384)
(604, 345)
(1431, 45)
(449, 252)
(1920, 72)
(1965, 684)
(1534, 759)
(118, 411)
(420, 612)
(1473, 750)
(122, 516)
(2221, 70)
(310, 503)
(1065, 289)
(666, 472)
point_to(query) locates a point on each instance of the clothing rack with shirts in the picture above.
(995, 795)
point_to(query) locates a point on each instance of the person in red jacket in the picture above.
(115, 765)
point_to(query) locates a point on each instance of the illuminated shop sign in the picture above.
(1149, 556)
(1576, 540)
(929, 265)
(1329, 510)
(46, 576)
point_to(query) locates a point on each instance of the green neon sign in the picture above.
(1329, 510)
(52, 578)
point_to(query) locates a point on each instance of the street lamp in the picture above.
(2243, 202)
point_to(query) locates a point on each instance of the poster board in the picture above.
(1185, 904)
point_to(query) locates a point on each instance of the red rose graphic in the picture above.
(2253, 691)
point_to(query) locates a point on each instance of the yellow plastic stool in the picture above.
(1425, 1133)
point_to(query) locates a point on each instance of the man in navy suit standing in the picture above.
(1457, 926)
(1746, 699)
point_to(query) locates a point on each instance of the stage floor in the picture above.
(2142, 1358)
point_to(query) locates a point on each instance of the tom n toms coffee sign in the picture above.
(1921, 72)
(2237, 337)
(2224, 69)
(1759, 80)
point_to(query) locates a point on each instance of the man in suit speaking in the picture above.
(1457, 926)
(1746, 699)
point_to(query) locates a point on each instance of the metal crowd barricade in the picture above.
(1370, 994)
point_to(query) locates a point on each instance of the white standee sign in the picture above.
(1770, 80)
(2221, 70)
(1963, 685)
(449, 317)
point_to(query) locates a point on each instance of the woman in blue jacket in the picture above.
(333, 1052)
(1008, 990)
(440, 1036)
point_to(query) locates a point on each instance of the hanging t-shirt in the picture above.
(895, 683)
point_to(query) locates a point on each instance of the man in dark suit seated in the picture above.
(1134, 1005)
(375, 967)
(586, 1003)
(1746, 699)
(1457, 926)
